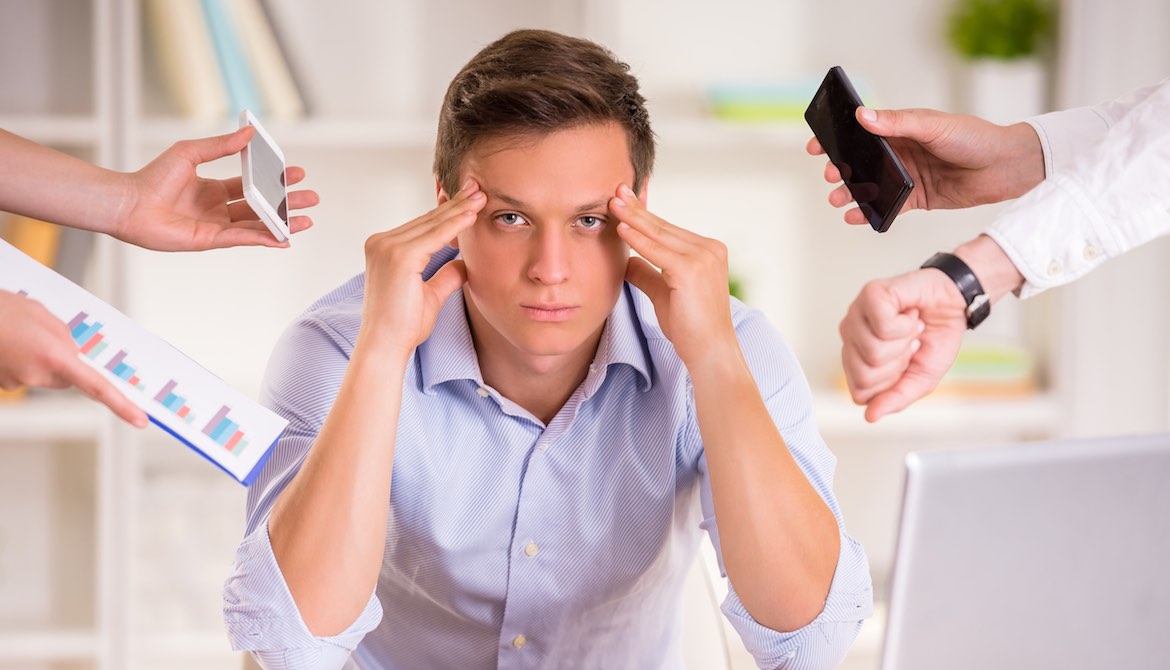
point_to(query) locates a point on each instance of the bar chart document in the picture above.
(230, 429)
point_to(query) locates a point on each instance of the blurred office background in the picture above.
(114, 543)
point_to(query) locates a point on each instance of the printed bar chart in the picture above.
(123, 371)
(225, 432)
(177, 404)
(86, 336)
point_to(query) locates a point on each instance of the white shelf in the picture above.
(708, 133)
(209, 646)
(695, 132)
(52, 416)
(955, 416)
(310, 133)
(48, 646)
(53, 129)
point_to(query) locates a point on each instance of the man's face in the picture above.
(544, 261)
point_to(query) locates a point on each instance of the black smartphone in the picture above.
(871, 170)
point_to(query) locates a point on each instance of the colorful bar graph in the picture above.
(123, 371)
(177, 404)
(86, 336)
(225, 432)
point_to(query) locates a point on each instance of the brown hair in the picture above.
(537, 82)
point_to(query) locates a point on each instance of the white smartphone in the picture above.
(263, 178)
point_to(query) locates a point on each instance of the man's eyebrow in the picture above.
(520, 204)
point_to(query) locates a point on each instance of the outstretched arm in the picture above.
(164, 206)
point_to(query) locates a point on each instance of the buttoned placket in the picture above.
(526, 557)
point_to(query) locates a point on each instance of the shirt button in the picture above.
(531, 549)
(1091, 252)
(1054, 268)
(483, 393)
(543, 446)
(519, 641)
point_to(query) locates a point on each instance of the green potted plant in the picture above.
(1002, 44)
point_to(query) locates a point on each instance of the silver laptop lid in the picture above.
(1046, 555)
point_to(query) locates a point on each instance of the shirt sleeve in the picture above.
(303, 377)
(824, 642)
(1104, 194)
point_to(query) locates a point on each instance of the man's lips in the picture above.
(549, 312)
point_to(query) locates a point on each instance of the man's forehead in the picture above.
(583, 200)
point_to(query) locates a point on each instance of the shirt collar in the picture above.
(449, 353)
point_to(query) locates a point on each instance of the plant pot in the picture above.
(1005, 91)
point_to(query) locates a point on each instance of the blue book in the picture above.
(233, 59)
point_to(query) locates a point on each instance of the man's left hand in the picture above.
(684, 275)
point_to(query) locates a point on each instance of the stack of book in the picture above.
(984, 369)
(990, 370)
(218, 57)
(777, 101)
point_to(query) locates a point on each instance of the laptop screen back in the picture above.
(1050, 555)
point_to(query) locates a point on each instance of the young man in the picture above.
(494, 460)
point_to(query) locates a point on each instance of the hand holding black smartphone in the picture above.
(871, 170)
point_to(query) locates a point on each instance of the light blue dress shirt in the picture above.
(515, 544)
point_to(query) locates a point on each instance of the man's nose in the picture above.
(549, 260)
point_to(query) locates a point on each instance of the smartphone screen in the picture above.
(870, 168)
(268, 175)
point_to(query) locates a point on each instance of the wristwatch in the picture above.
(978, 304)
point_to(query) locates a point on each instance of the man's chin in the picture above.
(546, 341)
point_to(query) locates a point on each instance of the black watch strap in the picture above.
(978, 305)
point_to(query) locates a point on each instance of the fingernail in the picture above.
(915, 345)
(466, 186)
(619, 202)
(627, 191)
(868, 114)
(140, 422)
(478, 195)
(921, 326)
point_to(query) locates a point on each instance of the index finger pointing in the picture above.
(95, 386)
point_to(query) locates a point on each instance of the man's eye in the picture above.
(591, 222)
(511, 219)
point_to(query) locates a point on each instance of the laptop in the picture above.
(1036, 556)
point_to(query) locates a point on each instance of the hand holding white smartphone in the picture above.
(263, 178)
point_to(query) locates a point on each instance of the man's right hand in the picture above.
(956, 161)
(400, 308)
(36, 350)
